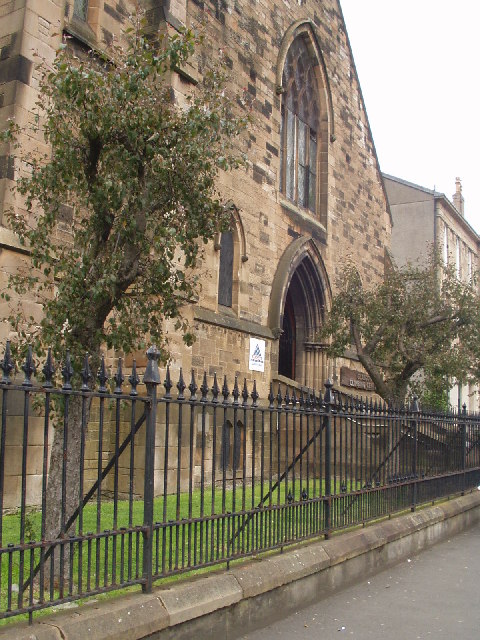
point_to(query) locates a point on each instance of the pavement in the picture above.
(433, 595)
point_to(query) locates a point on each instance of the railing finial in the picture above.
(152, 374)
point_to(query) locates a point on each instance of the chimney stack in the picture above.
(458, 200)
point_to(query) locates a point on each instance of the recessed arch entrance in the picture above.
(300, 295)
(287, 345)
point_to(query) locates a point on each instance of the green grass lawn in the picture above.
(189, 532)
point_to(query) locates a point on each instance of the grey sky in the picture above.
(419, 67)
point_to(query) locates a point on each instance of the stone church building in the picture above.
(311, 197)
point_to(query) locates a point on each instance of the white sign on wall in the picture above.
(256, 361)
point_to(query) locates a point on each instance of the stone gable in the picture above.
(282, 251)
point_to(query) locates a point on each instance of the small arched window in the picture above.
(225, 275)
(300, 127)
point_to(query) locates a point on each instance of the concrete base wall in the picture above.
(231, 603)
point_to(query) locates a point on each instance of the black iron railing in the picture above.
(163, 483)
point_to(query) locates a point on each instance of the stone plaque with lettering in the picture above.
(356, 379)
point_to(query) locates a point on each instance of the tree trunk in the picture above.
(65, 489)
(397, 394)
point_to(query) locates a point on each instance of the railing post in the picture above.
(328, 401)
(151, 380)
(414, 429)
(463, 433)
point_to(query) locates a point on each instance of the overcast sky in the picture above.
(419, 67)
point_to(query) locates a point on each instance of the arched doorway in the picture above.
(287, 343)
(300, 295)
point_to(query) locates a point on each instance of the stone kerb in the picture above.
(228, 604)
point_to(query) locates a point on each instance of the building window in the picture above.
(225, 275)
(80, 8)
(299, 127)
(458, 261)
(470, 266)
(233, 444)
(445, 245)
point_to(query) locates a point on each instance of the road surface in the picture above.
(434, 595)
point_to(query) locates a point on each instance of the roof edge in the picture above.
(438, 196)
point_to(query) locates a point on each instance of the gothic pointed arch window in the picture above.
(225, 274)
(232, 247)
(300, 126)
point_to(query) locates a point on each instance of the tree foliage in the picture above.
(418, 330)
(139, 172)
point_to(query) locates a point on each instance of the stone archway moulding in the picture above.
(295, 253)
(239, 229)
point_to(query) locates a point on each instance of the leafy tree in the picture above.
(416, 331)
(140, 173)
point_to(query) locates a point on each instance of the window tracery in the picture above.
(300, 127)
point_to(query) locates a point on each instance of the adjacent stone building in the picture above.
(424, 218)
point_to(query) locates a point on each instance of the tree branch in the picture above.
(372, 344)
(95, 146)
(371, 368)
(437, 320)
(411, 367)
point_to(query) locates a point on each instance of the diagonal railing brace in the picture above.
(88, 495)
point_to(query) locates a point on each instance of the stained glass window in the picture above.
(299, 125)
(80, 8)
